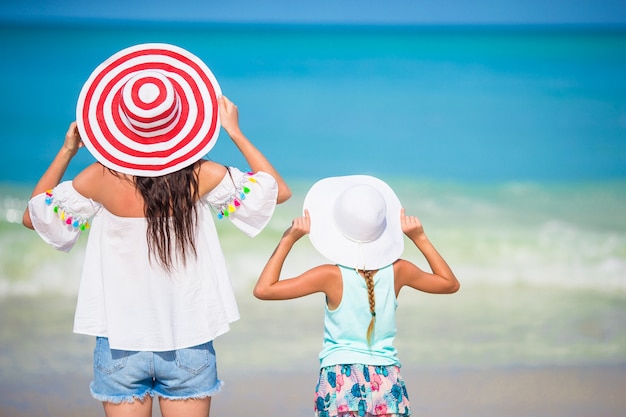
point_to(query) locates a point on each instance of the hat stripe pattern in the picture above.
(134, 106)
(149, 110)
(149, 134)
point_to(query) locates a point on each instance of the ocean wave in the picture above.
(491, 235)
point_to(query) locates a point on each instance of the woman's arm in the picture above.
(324, 278)
(53, 175)
(441, 281)
(229, 116)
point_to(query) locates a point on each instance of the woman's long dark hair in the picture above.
(170, 211)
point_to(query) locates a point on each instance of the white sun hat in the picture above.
(149, 110)
(355, 221)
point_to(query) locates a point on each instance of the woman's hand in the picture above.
(73, 142)
(229, 115)
(411, 226)
(57, 168)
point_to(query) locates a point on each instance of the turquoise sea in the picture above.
(508, 142)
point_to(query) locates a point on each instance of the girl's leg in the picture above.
(137, 408)
(187, 408)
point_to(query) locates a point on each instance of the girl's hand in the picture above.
(300, 226)
(229, 115)
(411, 226)
(73, 142)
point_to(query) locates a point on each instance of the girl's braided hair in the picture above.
(369, 280)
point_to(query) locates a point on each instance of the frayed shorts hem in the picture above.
(125, 376)
(120, 399)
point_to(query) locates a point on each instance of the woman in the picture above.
(154, 289)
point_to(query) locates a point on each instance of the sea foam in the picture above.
(490, 235)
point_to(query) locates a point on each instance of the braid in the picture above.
(369, 280)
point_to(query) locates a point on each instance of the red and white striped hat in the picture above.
(149, 110)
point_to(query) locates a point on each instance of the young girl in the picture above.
(357, 222)
(155, 290)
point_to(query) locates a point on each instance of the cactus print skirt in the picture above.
(361, 390)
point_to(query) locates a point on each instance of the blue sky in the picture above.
(325, 11)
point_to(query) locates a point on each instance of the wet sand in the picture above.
(473, 367)
(541, 392)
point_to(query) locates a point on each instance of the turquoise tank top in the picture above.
(345, 328)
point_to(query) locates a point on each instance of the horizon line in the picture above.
(103, 22)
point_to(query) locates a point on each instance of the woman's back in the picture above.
(124, 282)
(115, 191)
(118, 192)
(154, 280)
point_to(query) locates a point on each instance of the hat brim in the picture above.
(332, 244)
(109, 139)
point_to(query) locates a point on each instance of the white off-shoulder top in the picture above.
(133, 301)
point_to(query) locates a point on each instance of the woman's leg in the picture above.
(137, 408)
(187, 408)
(186, 380)
(121, 375)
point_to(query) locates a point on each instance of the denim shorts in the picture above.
(123, 376)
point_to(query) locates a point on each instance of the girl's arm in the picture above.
(441, 281)
(324, 278)
(53, 175)
(229, 116)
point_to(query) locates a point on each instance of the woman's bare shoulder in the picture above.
(89, 181)
(210, 174)
(116, 191)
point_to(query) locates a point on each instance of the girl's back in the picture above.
(345, 328)
(357, 221)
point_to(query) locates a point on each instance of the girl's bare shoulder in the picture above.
(403, 269)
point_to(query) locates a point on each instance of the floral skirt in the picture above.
(361, 390)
